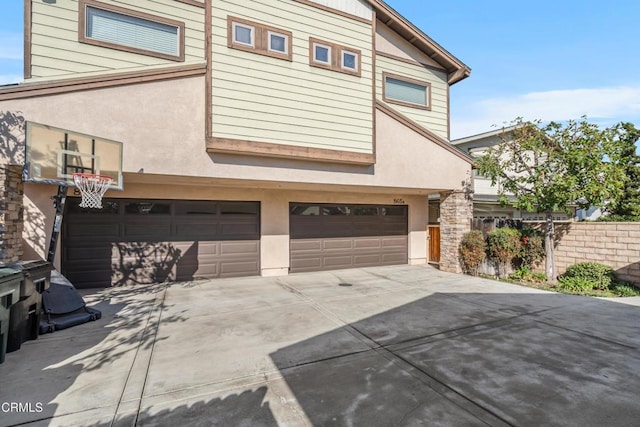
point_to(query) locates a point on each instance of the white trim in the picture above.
(315, 59)
(251, 28)
(355, 57)
(286, 42)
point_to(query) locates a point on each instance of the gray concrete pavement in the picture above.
(365, 347)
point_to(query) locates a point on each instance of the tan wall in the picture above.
(610, 243)
(390, 42)
(274, 245)
(161, 125)
(265, 99)
(56, 51)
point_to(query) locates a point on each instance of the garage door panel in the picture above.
(306, 245)
(234, 269)
(182, 243)
(337, 244)
(360, 236)
(242, 248)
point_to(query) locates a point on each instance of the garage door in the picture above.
(329, 237)
(131, 242)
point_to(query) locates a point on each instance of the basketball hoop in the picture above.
(92, 187)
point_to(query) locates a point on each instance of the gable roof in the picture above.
(457, 69)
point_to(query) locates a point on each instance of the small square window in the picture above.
(243, 34)
(322, 54)
(350, 61)
(278, 42)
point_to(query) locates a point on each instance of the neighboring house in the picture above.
(258, 138)
(485, 199)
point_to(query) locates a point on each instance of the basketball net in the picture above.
(92, 187)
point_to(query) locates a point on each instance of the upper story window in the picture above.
(406, 91)
(258, 38)
(243, 34)
(332, 56)
(128, 30)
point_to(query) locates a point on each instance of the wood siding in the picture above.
(56, 51)
(257, 98)
(435, 119)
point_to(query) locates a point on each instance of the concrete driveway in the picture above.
(366, 347)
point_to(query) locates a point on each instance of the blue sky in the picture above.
(541, 59)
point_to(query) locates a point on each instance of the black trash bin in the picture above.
(10, 280)
(24, 321)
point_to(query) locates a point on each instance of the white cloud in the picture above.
(606, 105)
(11, 46)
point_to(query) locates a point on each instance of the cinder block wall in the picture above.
(11, 213)
(616, 244)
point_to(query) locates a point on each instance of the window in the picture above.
(278, 42)
(334, 57)
(406, 91)
(118, 28)
(258, 38)
(321, 54)
(243, 34)
(349, 60)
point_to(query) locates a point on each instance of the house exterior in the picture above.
(258, 138)
(486, 203)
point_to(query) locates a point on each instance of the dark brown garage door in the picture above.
(152, 241)
(329, 237)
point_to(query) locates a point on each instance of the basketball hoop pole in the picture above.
(59, 201)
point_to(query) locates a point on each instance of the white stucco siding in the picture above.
(56, 51)
(265, 99)
(435, 119)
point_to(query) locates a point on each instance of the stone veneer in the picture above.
(456, 212)
(11, 213)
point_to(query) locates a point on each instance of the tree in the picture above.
(628, 204)
(554, 167)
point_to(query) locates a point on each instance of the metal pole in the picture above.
(59, 201)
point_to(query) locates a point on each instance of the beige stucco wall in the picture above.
(161, 125)
(274, 243)
(56, 52)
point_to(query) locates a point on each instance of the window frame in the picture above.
(426, 85)
(336, 52)
(252, 35)
(328, 62)
(271, 33)
(83, 6)
(356, 57)
(261, 38)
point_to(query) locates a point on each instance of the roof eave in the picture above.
(455, 68)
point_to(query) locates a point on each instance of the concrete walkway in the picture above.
(365, 347)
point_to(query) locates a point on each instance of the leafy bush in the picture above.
(575, 284)
(618, 218)
(532, 247)
(504, 245)
(472, 251)
(625, 290)
(601, 276)
(524, 274)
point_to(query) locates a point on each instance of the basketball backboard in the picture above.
(53, 155)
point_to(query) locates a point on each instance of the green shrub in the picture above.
(504, 245)
(625, 290)
(618, 218)
(472, 251)
(524, 274)
(601, 276)
(575, 284)
(532, 247)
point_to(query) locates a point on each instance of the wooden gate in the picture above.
(434, 244)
